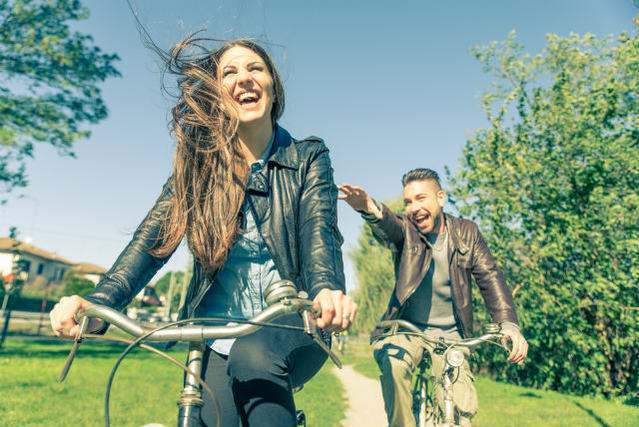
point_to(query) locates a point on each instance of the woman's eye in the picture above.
(228, 72)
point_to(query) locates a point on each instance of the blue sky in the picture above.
(389, 85)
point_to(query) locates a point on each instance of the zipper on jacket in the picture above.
(456, 315)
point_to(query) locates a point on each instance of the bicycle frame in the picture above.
(423, 408)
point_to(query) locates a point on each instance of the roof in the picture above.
(88, 268)
(9, 244)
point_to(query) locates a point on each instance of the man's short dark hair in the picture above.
(420, 174)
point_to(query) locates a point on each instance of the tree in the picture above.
(553, 183)
(174, 286)
(49, 79)
(76, 285)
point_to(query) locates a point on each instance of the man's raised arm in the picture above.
(387, 227)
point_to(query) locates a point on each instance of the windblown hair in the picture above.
(209, 170)
(421, 174)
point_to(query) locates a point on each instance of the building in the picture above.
(41, 267)
(89, 271)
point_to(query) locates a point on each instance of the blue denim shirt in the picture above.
(238, 287)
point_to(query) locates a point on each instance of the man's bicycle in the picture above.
(281, 298)
(426, 409)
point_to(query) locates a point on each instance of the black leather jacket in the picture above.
(295, 207)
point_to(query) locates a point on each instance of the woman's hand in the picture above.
(338, 310)
(63, 317)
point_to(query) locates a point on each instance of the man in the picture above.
(435, 255)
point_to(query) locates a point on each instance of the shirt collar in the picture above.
(259, 163)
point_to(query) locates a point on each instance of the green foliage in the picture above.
(76, 285)
(375, 274)
(553, 182)
(163, 284)
(49, 79)
(181, 281)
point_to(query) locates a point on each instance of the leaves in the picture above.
(49, 78)
(553, 183)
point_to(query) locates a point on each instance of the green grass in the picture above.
(145, 390)
(503, 404)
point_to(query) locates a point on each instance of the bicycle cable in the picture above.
(163, 354)
(139, 340)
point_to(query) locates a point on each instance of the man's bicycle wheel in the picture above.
(423, 403)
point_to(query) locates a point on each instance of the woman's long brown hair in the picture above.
(209, 170)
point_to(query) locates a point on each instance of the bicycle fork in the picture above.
(190, 403)
(449, 408)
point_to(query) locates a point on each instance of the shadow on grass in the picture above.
(51, 348)
(592, 414)
(530, 394)
(632, 401)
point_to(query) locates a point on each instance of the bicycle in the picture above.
(281, 299)
(426, 410)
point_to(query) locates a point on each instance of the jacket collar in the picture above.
(284, 152)
(454, 235)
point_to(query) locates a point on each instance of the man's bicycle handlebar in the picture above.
(400, 326)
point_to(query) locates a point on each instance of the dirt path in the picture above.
(365, 403)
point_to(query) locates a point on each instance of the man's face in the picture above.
(424, 201)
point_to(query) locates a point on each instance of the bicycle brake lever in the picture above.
(318, 340)
(84, 324)
(311, 328)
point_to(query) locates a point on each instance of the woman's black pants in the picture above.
(253, 385)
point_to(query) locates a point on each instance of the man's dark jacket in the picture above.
(294, 203)
(468, 255)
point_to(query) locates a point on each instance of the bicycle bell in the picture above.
(279, 290)
(454, 357)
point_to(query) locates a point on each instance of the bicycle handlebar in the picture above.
(394, 326)
(193, 333)
(282, 299)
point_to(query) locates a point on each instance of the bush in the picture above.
(75, 285)
(553, 182)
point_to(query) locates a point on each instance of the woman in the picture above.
(255, 206)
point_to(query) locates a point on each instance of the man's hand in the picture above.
(63, 317)
(338, 310)
(519, 349)
(358, 199)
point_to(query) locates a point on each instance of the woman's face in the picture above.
(246, 78)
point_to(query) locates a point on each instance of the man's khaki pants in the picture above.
(397, 357)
